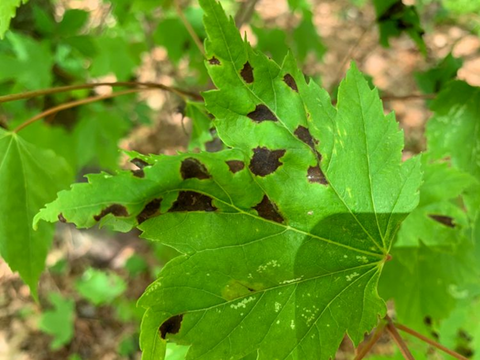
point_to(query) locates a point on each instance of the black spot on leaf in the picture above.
(150, 210)
(445, 220)
(316, 175)
(61, 218)
(235, 165)
(214, 61)
(138, 173)
(171, 326)
(265, 161)
(304, 135)
(267, 210)
(115, 209)
(192, 201)
(192, 168)
(262, 113)
(247, 73)
(290, 81)
(139, 163)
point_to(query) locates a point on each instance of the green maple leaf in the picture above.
(285, 233)
(8, 9)
(59, 322)
(29, 177)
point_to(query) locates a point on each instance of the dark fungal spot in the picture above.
(290, 81)
(445, 220)
(235, 165)
(138, 173)
(171, 326)
(139, 163)
(150, 210)
(115, 209)
(192, 201)
(214, 61)
(262, 113)
(192, 168)
(267, 210)
(247, 73)
(265, 161)
(316, 175)
(304, 135)
(61, 218)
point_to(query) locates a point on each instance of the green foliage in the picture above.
(100, 287)
(300, 176)
(394, 18)
(58, 322)
(29, 177)
(7, 12)
(433, 80)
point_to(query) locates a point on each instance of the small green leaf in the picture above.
(58, 322)
(29, 177)
(433, 80)
(100, 287)
(7, 12)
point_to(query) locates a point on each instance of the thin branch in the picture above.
(364, 350)
(408, 97)
(72, 104)
(398, 340)
(429, 341)
(189, 27)
(351, 52)
(31, 94)
(245, 12)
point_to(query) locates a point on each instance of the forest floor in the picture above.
(348, 32)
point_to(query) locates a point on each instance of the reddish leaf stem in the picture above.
(31, 94)
(364, 350)
(72, 104)
(398, 340)
(429, 341)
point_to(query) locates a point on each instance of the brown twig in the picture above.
(350, 54)
(189, 27)
(364, 350)
(430, 341)
(76, 103)
(408, 97)
(31, 94)
(245, 12)
(392, 330)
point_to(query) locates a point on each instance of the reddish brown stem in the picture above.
(408, 97)
(189, 27)
(398, 340)
(429, 341)
(72, 104)
(365, 349)
(31, 94)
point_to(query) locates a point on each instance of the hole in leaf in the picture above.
(445, 220)
(171, 326)
(115, 209)
(304, 135)
(214, 61)
(192, 201)
(268, 210)
(61, 218)
(138, 173)
(235, 165)
(316, 175)
(247, 73)
(192, 168)
(150, 210)
(262, 113)
(139, 163)
(265, 161)
(290, 81)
